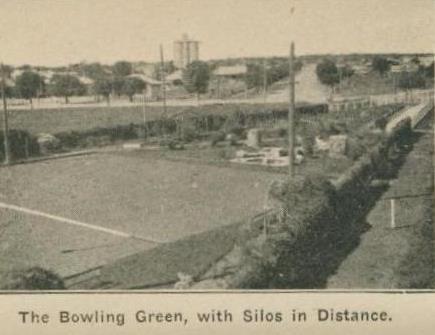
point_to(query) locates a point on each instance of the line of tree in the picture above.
(30, 84)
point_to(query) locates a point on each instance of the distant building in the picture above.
(175, 77)
(186, 51)
(152, 86)
(408, 67)
(361, 68)
(426, 60)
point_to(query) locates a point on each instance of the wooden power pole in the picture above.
(5, 117)
(264, 81)
(291, 112)
(163, 78)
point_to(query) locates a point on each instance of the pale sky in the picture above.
(60, 32)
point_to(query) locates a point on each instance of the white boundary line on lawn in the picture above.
(76, 223)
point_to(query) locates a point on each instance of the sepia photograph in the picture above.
(208, 145)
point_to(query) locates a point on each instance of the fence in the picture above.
(355, 103)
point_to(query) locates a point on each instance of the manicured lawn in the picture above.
(143, 196)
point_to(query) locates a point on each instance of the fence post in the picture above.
(26, 147)
(393, 213)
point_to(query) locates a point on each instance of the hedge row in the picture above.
(314, 230)
(21, 144)
(186, 126)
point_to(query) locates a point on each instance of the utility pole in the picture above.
(246, 76)
(5, 117)
(163, 78)
(144, 113)
(264, 81)
(291, 112)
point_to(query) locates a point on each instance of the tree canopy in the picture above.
(122, 69)
(93, 70)
(196, 77)
(327, 72)
(103, 86)
(28, 84)
(381, 65)
(132, 86)
(66, 86)
(345, 71)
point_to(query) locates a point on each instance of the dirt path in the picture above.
(401, 257)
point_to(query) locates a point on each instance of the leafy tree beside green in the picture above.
(328, 74)
(122, 69)
(345, 71)
(381, 65)
(66, 86)
(117, 85)
(28, 84)
(93, 70)
(196, 77)
(103, 86)
(132, 86)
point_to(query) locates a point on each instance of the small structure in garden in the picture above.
(270, 156)
(253, 139)
(48, 143)
(337, 145)
(132, 145)
(334, 145)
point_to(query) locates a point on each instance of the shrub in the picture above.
(18, 140)
(69, 139)
(354, 149)
(34, 278)
(300, 193)
(175, 145)
(188, 132)
(217, 137)
(381, 122)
